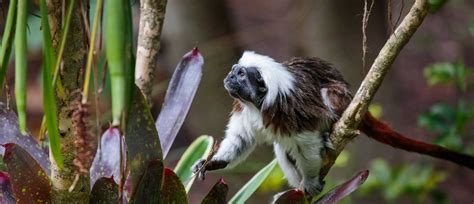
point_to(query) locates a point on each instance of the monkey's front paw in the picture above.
(313, 186)
(200, 168)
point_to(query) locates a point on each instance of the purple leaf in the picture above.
(218, 193)
(29, 182)
(344, 189)
(173, 190)
(180, 94)
(107, 159)
(105, 190)
(6, 192)
(9, 133)
(291, 196)
(149, 185)
(141, 139)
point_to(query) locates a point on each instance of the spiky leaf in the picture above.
(9, 133)
(218, 194)
(180, 94)
(30, 183)
(105, 190)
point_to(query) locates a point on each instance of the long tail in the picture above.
(381, 132)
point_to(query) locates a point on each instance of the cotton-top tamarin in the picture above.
(293, 106)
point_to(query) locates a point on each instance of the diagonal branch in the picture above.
(346, 129)
(152, 15)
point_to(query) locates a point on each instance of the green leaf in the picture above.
(105, 190)
(148, 186)
(115, 50)
(435, 5)
(21, 63)
(7, 41)
(30, 183)
(199, 149)
(446, 74)
(218, 194)
(172, 190)
(141, 139)
(49, 100)
(251, 186)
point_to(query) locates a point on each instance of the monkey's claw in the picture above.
(199, 168)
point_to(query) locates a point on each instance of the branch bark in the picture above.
(346, 129)
(70, 74)
(152, 15)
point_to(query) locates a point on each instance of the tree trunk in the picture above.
(71, 78)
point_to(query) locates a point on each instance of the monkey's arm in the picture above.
(339, 98)
(238, 143)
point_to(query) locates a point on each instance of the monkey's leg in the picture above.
(309, 161)
(287, 166)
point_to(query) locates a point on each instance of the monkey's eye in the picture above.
(241, 73)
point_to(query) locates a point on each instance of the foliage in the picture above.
(406, 179)
(449, 122)
(131, 153)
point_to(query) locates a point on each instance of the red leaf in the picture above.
(6, 192)
(9, 133)
(149, 185)
(142, 144)
(172, 190)
(107, 159)
(291, 196)
(178, 99)
(29, 182)
(344, 189)
(218, 194)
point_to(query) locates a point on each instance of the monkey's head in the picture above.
(258, 79)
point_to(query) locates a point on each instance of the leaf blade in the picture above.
(7, 41)
(29, 181)
(199, 149)
(106, 162)
(341, 191)
(9, 133)
(251, 186)
(179, 96)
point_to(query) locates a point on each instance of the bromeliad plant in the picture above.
(128, 163)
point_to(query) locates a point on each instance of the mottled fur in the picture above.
(300, 104)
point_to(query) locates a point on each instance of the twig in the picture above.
(345, 130)
(365, 21)
(152, 15)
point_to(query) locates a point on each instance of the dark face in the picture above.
(246, 84)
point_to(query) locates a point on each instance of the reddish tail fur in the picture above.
(381, 132)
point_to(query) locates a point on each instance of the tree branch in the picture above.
(152, 15)
(346, 129)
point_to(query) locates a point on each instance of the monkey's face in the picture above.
(246, 84)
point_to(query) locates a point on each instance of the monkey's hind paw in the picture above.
(199, 168)
(327, 141)
(313, 187)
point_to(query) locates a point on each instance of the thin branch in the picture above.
(152, 15)
(346, 129)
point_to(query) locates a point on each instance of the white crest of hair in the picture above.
(277, 78)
